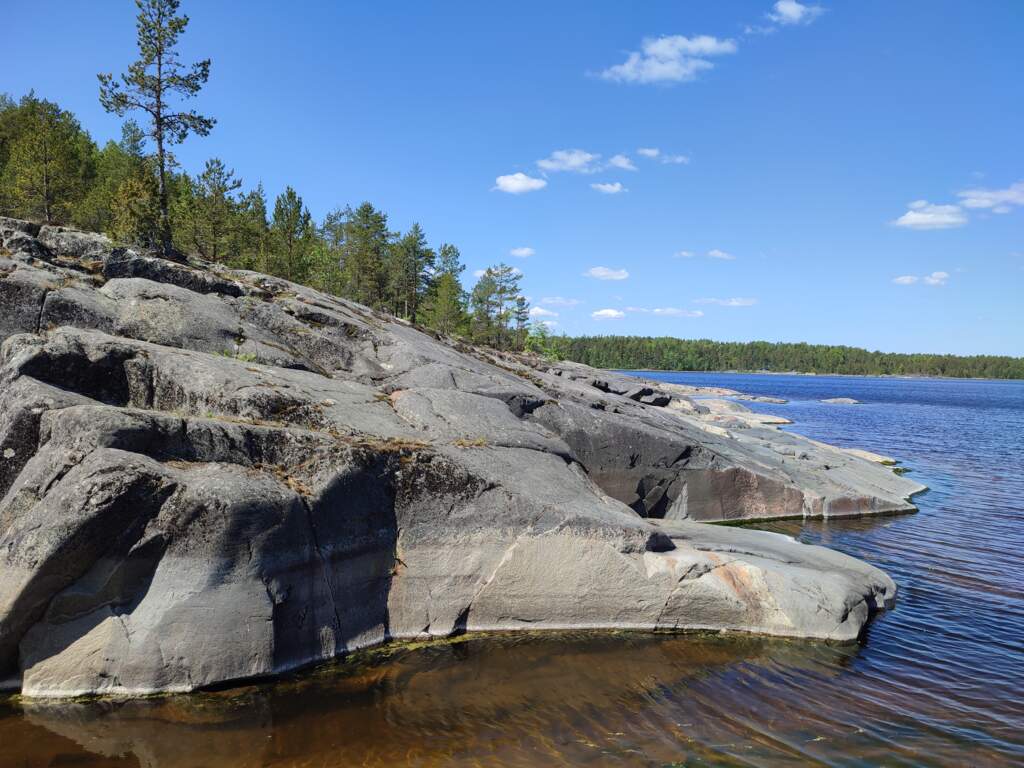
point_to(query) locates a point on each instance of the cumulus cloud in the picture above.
(622, 162)
(995, 200)
(608, 314)
(656, 154)
(716, 253)
(684, 254)
(935, 278)
(559, 301)
(791, 12)
(669, 59)
(549, 323)
(541, 312)
(522, 252)
(518, 183)
(575, 160)
(925, 215)
(612, 188)
(604, 273)
(734, 302)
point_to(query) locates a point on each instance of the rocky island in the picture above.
(211, 475)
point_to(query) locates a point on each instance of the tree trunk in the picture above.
(166, 246)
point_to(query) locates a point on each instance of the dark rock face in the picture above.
(210, 475)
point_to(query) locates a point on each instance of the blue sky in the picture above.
(841, 172)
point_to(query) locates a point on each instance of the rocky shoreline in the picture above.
(211, 475)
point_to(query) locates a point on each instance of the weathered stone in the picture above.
(209, 475)
(65, 241)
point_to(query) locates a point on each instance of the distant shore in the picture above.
(820, 375)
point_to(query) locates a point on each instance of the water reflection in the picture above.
(562, 699)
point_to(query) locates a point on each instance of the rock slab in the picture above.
(212, 475)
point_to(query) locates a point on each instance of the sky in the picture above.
(840, 173)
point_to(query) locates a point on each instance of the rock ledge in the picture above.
(210, 475)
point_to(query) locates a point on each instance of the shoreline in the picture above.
(922, 377)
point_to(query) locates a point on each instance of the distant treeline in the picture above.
(645, 352)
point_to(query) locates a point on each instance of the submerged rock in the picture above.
(210, 475)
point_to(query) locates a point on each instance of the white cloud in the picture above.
(655, 154)
(575, 160)
(612, 188)
(935, 278)
(541, 312)
(715, 253)
(518, 183)
(676, 312)
(792, 12)
(607, 314)
(684, 254)
(669, 59)
(604, 273)
(925, 215)
(996, 200)
(734, 302)
(622, 162)
(522, 252)
(549, 323)
(559, 301)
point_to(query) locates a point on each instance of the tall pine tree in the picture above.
(148, 86)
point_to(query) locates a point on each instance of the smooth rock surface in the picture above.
(210, 475)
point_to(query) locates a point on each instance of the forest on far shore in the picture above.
(669, 354)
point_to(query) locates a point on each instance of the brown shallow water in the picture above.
(938, 681)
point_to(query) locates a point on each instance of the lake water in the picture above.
(937, 681)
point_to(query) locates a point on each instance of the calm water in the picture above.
(937, 681)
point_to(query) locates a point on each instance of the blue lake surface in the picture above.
(945, 670)
(937, 681)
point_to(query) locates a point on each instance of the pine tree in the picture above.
(485, 305)
(49, 164)
(114, 164)
(150, 82)
(135, 211)
(497, 306)
(521, 314)
(291, 230)
(365, 254)
(448, 260)
(411, 266)
(444, 307)
(250, 237)
(215, 209)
